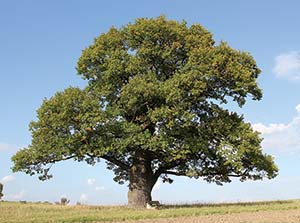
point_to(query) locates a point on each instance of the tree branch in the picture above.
(115, 161)
(232, 175)
(54, 160)
(173, 173)
(170, 172)
(164, 168)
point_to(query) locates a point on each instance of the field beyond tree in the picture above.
(275, 211)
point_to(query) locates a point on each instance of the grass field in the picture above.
(287, 211)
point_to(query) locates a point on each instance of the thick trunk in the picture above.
(141, 181)
(139, 197)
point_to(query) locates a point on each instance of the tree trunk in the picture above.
(141, 181)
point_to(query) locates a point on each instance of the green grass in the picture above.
(13, 212)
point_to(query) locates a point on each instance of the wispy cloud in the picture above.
(64, 195)
(7, 179)
(92, 184)
(287, 65)
(19, 195)
(99, 188)
(271, 128)
(281, 137)
(91, 181)
(298, 109)
(83, 197)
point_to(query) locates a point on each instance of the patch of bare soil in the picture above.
(289, 216)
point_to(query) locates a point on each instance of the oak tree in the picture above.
(153, 107)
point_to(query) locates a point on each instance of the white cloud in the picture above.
(281, 137)
(288, 65)
(298, 109)
(101, 188)
(269, 129)
(91, 182)
(83, 197)
(7, 179)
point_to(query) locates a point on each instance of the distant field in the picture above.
(276, 211)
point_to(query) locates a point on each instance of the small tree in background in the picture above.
(64, 201)
(1, 190)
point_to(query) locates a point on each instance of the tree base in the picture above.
(138, 198)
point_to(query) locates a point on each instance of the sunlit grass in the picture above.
(14, 212)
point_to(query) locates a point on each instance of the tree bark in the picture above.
(141, 181)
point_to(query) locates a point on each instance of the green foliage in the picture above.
(156, 86)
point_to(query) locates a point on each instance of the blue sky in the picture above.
(41, 41)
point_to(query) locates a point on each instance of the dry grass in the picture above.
(288, 216)
(277, 211)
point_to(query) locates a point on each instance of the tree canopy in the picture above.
(153, 107)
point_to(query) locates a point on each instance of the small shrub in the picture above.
(1, 190)
(47, 202)
(78, 203)
(64, 201)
